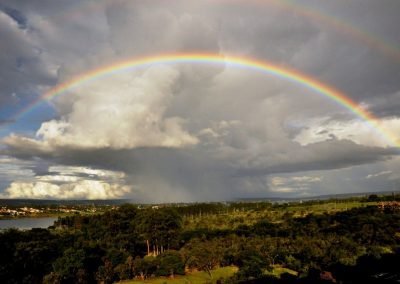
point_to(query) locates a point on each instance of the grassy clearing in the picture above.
(328, 207)
(278, 270)
(249, 217)
(199, 277)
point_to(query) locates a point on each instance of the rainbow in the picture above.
(231, 61)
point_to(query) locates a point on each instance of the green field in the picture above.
(239, 241)
(275, 214)
(198, 277)
(278, 270)
(203, 277)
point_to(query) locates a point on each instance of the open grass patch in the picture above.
(199, 277)
(278, 270)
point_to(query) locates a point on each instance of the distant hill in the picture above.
(104, 202)
(318, 197)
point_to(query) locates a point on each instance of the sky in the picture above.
(197, 132)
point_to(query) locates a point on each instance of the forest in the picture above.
(342, 241)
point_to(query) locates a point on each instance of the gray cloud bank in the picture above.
(194, 132)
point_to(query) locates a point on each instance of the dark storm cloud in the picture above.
(386, 105)
(333, 154)
(317, 47)
(16, 15)
(192, 174)
(327, 155)
(22, 70)
(325, 46)
(242, 120)
(357, 62)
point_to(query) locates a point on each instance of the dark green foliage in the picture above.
(68, 265)
(264, 228)
(26, 256)
(203, 255)
(105, 274)
(352, 244)
(170, 263)
(251, 264)
(145, 267)
(122, 272)
(160, 227)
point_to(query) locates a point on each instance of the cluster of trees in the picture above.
(130, 242)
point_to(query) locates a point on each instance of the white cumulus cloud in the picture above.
(289, 184)
(86, 189)
(322, 129)
(118, 112)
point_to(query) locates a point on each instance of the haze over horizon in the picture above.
(197, 132)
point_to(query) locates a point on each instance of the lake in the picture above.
(27, 223)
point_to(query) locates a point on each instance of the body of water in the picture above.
(27, 223)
